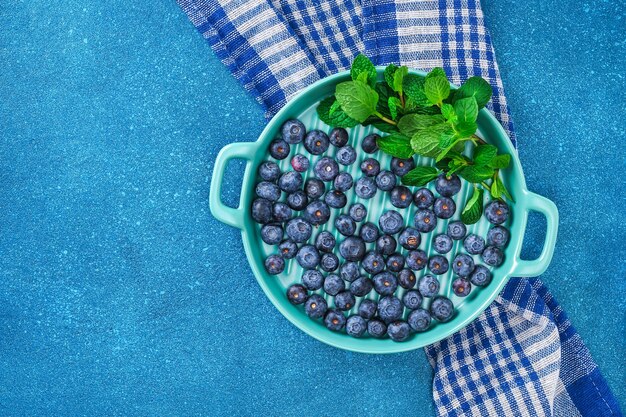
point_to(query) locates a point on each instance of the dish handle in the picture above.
(229, 215)
(535, 202)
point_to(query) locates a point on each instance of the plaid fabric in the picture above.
(521, 357)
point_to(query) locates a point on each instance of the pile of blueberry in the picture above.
(383, 255)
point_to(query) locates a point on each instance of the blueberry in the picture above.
(376, 328)
(356, 326)
(367, 309)
(293, 131)
(497, 212)
(401, 167)
(423, 198)
(412, 299)
(262, 210)
(297, 200)
(442, 243)
(365, 187)
(425, 220)
(416, 259)
(442, 308)
(401, 196)
(343, 181)
(369, 232)
(399, 331)
(297, 294)
(336, 199)
(498, 236)
(395, 262)
(386, 245)
(448, 186)
(279, 149)
(326, 169)
(361, 286)
(281, 212)
(474, 244)
(438, 264)
(272, 234)
(385, 180)
(345, 225)
(369, 144)
(333, 285)
(428, 286)
(385, 283)
(346, 155)
(444, 207)
(461, 287)
(334, 320)
(419, 320)
(316, 213)
(410, 238)
(406, 278)
(456, 230)
(370, 167)
(300, 163)
(315, 306)
(268, 190)
(390, 308)
(325, 241)
(313, 279)
(391, 222)
(344, 300)
(329, 262)
(308, 257)
(339, 137)
(269, 171)
(373, 262)
(314, 188)
(358, 212)
(274, 264)
(481, 276)
(288, 249)
(352, 249)
(463, 265)
(299, 230)
(290, 181)
(316, 142)
(349, 271)
(493, 256)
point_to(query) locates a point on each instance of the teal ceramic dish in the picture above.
(467, 309)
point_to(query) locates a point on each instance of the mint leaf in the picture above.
(338, 118)
(475, 87)
(474, 208)
(436, 89)
(357, 99)
(498, 189)
(384, 92)
(334, 108)
(425, 142)
(398, 78)
(500, 161)
(448, 112)
(384, 126)
(476, 173)
(436, 72)
(363, 65)
(396, 145)
(420, 176)
(390, 70)
(413, 87)
(466, 129)
(394, 103)
(466, 109)
(484, 154)
(447, 139)
(409, 124)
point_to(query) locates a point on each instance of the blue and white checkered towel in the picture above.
(521, 357)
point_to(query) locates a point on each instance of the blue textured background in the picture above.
(120, 294)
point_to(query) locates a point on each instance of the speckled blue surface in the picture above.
(120, 294)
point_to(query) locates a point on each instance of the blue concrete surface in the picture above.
(121, 295)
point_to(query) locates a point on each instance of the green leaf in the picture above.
(436, 89)
(425, 142)
(498, 189)
(413, 87)
(384, 92)
(447, 139)
(411, 123)
(420, 176)
(476, 173)
(448, 112)
(474, 208)
(500, 161)
(436, 72)
(484, 154)
(396, 145)
(466, 109)
(385, 127)
(357, 99)
(334, 108)
(394, 103)
(398, 78)
(390, 70)
(363, 65)
(443, 164)
(465, 129)
(338, 118)
(475, 87)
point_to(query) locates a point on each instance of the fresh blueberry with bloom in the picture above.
(385, 180)
(419, 320)
(262, 210)
(391, 222)
(325, 241)
(412, 299)
(297, 294)
(385, 283)
(481, 276)
(346, 155)
(313, 279)
(352, 249)
(274, 264)
(336, 199)
(293, 131)
(442, 243)
(268, 190)
(334, 320)
(399, 331)
(456, 230)
(461, 287)
(474, 244)
(401, 167)
(367, 309)
(343, 181)
(356, 326)
(316, 142)
(345, 225)
(463, 265)
(370, 167)
(442, 308)
(448, 186)
(349, 271)
(401, 196)
(390, 308)
(326, 169)
(333, 285)
(406, 278)
(279, 149)
(493, 256)
(438, 264)
(369, 144)
(369, 232)
(299, 230)
(290, 181)
(386, 245)
(344, 300)
(316, 213)
(444, 207)
(365, 187)
(315, 307)
(281, 212)
(373, 262)
(308, 257)
(497, 212)
(423, 198)
(314, 188)
(395, 262)
(338, 137)
(361, 286)
(272, 234)
(410, 238)
(425, 220)
(416, 259)
(288, 249)
(498, 236)
(376, 328)
(358, 212)
(428, 286)
(269, 171)
(297, 200)
(329, 262)
(300, 163)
